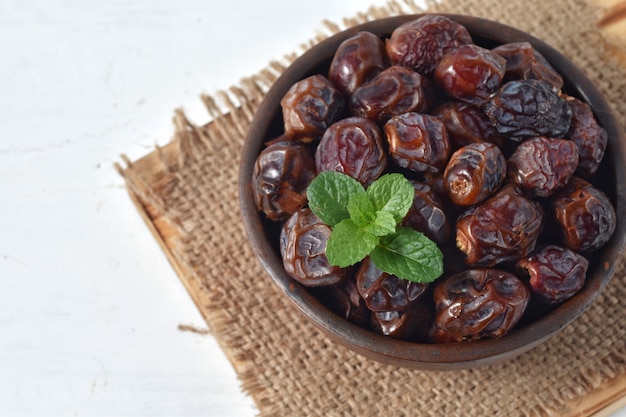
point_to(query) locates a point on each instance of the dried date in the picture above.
(523, 62)
(303, 241)
(470, 73)
(503, 228)
(527, 108)
(310, 106)
(427, 214)
(354, 147)
(476, 304)
(466, 124)
(584, 216)
(540, 166)
(418, 142)
(473, 173)
(385, 292)
(358, 59)
(282, 172)
(421, 43)
(394, 91)
(555, 273)
(590, 138)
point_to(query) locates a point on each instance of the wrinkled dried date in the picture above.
(303, 250)
(354, 147)
(385, 292)
(421, 43)
(585, 217)
(473, 173)
(477, 303)
(282, 172)
(466, 124)
(523, 62)
(503, 228)
(357, 60)
(427, 214)
(310, 106)
(418, 142)
(394, 91)
(540, 166)
(470, 73)
(590, 138)
(527, 108)
(555, 273)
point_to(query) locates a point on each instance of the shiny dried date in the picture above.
(282, 172)
(358, 59)
(523, 62)
(526, 108)
(590, 138)
(470, 73)
(503, 228)
(555, 273)
(473, 173)
(466, 124)
(352, 146)
(310, 106)
(303, 241)
(410, 325)
(476, 304)
(385, 292)
(427, 214)
(418, 142)
(394, 91)
(344, 300)
(421, 43)
(584, 217)
(540, 166)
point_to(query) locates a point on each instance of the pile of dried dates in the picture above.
(501, 159)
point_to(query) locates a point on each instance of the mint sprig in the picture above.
(366, 223)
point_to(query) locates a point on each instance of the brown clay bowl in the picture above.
(267, 124)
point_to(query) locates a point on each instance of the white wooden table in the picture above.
(89, 306)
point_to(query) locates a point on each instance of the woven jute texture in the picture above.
(188, 191)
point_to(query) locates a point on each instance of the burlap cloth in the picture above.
(187, 192)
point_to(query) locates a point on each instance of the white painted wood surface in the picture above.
(89, 306)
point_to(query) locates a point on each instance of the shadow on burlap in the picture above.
(189, 195)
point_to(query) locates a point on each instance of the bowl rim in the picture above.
(426, 356)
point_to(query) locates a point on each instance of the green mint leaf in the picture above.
(349, 244)
(410, 255)
(392, 193)
(361, 210)
(329, 194)
(384, 224)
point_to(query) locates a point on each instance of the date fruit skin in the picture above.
(358, 59)
(505, 227)
(555, 273)
(410, 325)
(466, 124)
(394, 91)
(421, 43)
(470, 73)
(473, 173)
(427, 214)
(476, 304)
(282, 172)
(352, 146)
(540, 166)
(526, 108)
(523, 62)
(310, 106)
(584, 216)
(590, 138)
(385, 292)
(344, 300)
(418, 142)
(303, 241)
